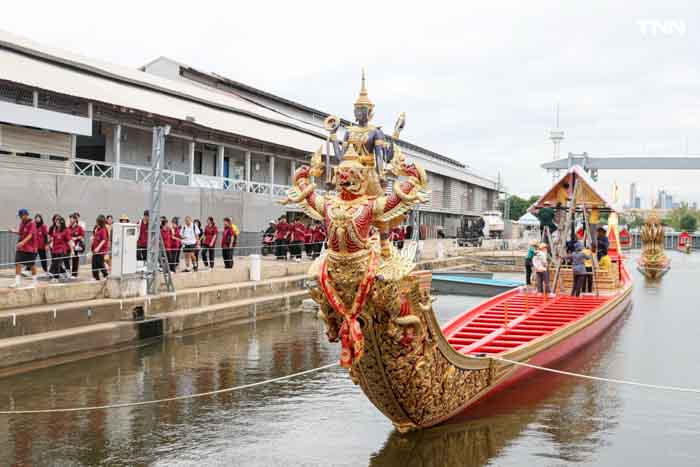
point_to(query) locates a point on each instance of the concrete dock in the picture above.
(55, 323)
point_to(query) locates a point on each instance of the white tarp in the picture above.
(528, 219)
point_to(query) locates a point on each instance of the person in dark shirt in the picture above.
(546, 217)
(603, 243)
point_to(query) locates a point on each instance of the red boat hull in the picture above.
(564, 348)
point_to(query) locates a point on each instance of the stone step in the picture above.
(24, 349)
(44, 318)
(240, 310)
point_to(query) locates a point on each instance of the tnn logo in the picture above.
(662, 28)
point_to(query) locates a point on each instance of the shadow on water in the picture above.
(570, 413)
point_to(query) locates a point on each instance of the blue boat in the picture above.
(460, 285)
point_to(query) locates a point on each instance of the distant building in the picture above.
(633, 195)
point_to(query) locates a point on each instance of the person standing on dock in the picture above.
(578, 266)
(539, 262)
(25, 251)
(211, 233)
(77, 235)
(298, 236)
(531, 252)
(228, 242)
(42, 239)
(60, 246)
(190, 240)
(282, 234)
(100, 248)
(142, 242)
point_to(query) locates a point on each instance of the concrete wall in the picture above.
(63, 194)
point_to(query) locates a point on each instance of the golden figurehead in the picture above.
(371, 299)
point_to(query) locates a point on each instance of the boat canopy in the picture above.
(588, 194)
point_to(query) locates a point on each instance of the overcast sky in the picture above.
(478, 83)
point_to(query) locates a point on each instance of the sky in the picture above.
(478, 82)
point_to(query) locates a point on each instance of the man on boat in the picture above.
(578, 266)
(603, 243)
(539, 262)
(531, 251)
(546, 217)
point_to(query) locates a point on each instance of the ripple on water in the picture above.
(323, 419)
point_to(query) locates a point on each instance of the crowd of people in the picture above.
(296, 237)
(581, 255)
(59, 245)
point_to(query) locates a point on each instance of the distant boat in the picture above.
(653, 262)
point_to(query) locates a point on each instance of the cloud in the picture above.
(478, 81)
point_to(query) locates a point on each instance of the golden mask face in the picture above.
(349, 178)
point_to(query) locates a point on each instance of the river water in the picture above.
(322, 419)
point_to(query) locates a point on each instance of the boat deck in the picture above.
(515, 318)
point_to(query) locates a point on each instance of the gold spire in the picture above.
(363, 98)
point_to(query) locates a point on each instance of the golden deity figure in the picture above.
(371, 299)
(346, 278)
(653, 261)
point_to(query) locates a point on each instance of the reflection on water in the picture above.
(323, 419)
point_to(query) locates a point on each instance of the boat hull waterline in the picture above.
(467, 378)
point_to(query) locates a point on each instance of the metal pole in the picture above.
(154, 239)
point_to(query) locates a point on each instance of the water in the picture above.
(323, 419)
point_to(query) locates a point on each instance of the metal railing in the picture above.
(90, 168)
(140, 174)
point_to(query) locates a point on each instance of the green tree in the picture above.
(688, 223)
(518, 206)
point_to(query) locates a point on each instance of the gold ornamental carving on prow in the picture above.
(373, 301)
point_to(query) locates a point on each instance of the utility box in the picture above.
(124, 237)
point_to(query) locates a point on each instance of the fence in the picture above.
(248, 243)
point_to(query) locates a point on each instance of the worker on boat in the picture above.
(603, 243)
(546, 217)
(539, 262)
(604, 263)
(588, 282)
(531, 251)
(578, 266)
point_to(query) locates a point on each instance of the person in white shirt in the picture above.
(190, 238)
(539, 263)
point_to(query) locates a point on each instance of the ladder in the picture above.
(561, 243)
(594, 260)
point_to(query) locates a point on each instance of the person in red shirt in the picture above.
(99, 247)
(142, 242)
(308, 241)
(25, 251)
(397, 237)
(42, 241)
(175, 243)
(318, 236)
(211, 232)
(282, 235)
(166, 234)
(228, 242)
(60, 246)
(298, 234)
(78, 239)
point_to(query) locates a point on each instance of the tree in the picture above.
(688, 223)
(518, 206)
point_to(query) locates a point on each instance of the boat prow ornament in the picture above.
(379, 308)
(653, 262)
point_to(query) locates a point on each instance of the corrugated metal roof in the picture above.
(26, 62)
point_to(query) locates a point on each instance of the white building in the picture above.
(77, 133)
